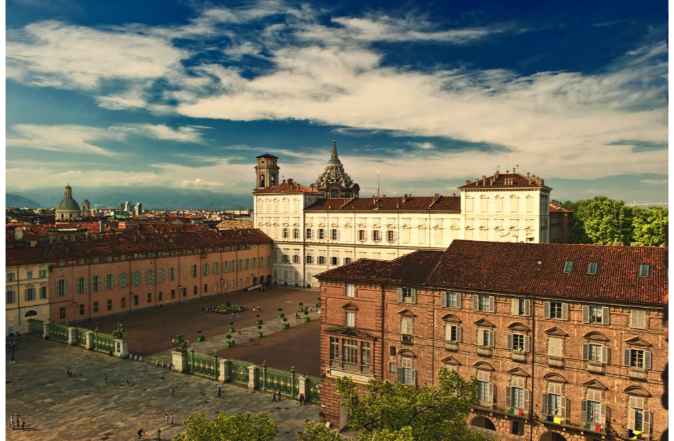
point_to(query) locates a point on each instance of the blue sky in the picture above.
(185, 94)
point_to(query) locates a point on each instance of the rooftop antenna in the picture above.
(378, 184)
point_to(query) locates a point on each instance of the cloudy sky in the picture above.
(185, 93)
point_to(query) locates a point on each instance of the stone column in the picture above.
(302, 386)
(121, 348)
(72, 335)
(45, 330)
(89, 340)
(223, 376)
(251, 377)
(178, 361)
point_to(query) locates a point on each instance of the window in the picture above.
(518, 342)
(350, 319)
(81, 309)
(376, 235)
(644, 270)
(638, 319)
(556, 310)
(347, 260)
(321, 260)
(135, 300)
(310, 260)
(122, 280)
(361, 235)
(350, 290)
(485, 337)
(333, 261)
(95, 306)
(94, 284)
(43, 292)
(196, 290)
(308, 233)
(407, 295)
(407, 325)
(149, 297)
(592, 268)
(285, 258)
(390, 235)
(123, 302)
(62, 313)
(638, 359)
(483, 303)
(81, 285)
(485, 390)
(296, 233)
(11, 296)
(556, 347)
(406, 373)
(520, 306)
(109, 281)
(568, 266)
(43, 273)
(30, 294)
(595, 352)
(452, 333)
(284, 233)
(596, 314)
(205, 288)
(296, 258)
(333, 234)
(135, 277)
(639, 420)
(29, 275)
(350, 355)
(194, 270)
(517, 395)
(451, 299)
(592, 409)
(321, 233)
(61, 288)
(172, 274)
(216, 268)
(109, 305)
(554, 402)
(205, 269)
(10, 277)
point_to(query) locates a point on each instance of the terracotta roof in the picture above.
(131, 241)
(287, 186)
(556, 207)
(403, 203)
(504, 180)
(524, 268)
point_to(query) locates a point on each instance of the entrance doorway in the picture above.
(482, 422)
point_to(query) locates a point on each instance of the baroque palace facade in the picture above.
(152, 265)
(327, 224)
(567, 342)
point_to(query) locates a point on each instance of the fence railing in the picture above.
(275, 380)
(82, 337)
(203, 365)
(58, 332)
(313, 389)
(238, 371)
(103, 342)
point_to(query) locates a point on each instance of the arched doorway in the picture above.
(482, 422)
(31, 313)
(552, 436)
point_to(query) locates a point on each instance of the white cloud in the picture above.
(189, 134)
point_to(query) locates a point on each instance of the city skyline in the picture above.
(184, 97)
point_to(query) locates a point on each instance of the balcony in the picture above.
(486, 351)
(451, 346)
(516, 411)
(594, 427)
(638, 374)
(359, 373)
(406, 339)
(519, 356)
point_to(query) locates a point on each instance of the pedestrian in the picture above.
(23, 424)
(11, 421)
(301, 399)
(140, 433)
(219, 392)
(159, 434)
(173, 419)
(166, 417)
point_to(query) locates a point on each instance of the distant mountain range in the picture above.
(151, 197)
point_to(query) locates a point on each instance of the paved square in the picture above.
(98, 404)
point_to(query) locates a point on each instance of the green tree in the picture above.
(397, 412)
(238, 427)
(649, 226)
(605, 221)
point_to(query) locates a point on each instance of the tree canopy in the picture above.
(238, 427)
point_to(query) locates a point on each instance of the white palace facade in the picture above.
(327, 224)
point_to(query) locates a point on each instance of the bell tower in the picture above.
(266, 171)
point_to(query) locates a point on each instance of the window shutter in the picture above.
(513, 306)
(448, 332)
(547, 310)
(626, 359)
(605, 355)
(476, 302)
(459, 299)
(546, 405)
(630, 417)
(509, 397)
(492, 304)
(584, 408)
(647, 360)
(586, 314)
(606, 318)
(458, 334)
(566, 406)
(492, 393)
(443, 298)
(603, 410)
(414, 377)
(479, 338)
(414, 295)
(527, 400)
(400, 295)
(586, 351)
(527, 344)
(527, 307)
(565, 311)
(648, 422)
(401, 377)
(510, 342)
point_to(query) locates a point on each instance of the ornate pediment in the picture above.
(407, 313)
(638, 341)
(596, 336)
(483, 366)
(637, 391)
(556, 332)
(484, 323)
(517, 326)
(451, 361)
(595, 384)
(407, 353)
(519, 372)
(350, 307)
(554, 377)
(451, 318)
(349, 332)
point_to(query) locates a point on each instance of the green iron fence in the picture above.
(103, 342)
(203, 365)
(313, 389)
(82, 337)
(35, 326)
(57, 332)
(275, 380)
(238, 372)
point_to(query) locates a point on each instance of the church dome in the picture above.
(68, 203)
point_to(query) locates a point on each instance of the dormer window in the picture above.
(644, 270)
(568, 266)
(592, 268)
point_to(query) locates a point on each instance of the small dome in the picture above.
(68, 205)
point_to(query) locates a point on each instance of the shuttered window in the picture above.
(556, 347)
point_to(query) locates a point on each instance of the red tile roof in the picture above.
(129, 242)
(556, 207)
(288, 187)
(450, 204)
(528, 269)
(505, 180)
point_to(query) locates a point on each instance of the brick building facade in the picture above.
(568, 342)
(108, 274)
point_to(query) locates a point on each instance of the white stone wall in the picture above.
(24, 277)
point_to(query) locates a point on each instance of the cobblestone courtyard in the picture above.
(98, 404)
